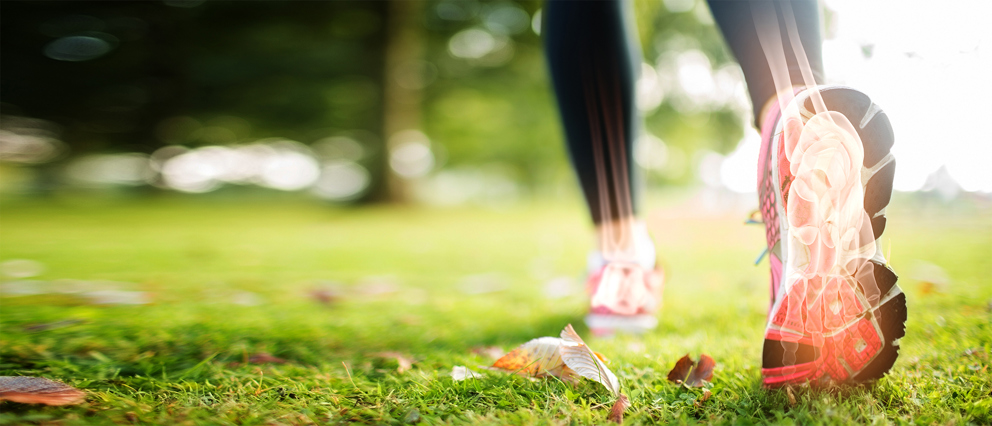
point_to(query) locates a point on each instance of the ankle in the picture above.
(782, 99)
(623, 241)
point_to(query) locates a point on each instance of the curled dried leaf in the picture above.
(39, 390)
(616, 413)
(537, 358)
(584, 361)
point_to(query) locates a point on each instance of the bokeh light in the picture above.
(272, 163)
(651, 153)
(649, 91)
(289, 169)
(411, 155)
(130, 169)
(214, 111)
(506, 18)
(472, 43)
(29, 141)
(342, 181)
(80, 47)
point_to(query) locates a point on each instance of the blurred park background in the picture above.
(439, 102)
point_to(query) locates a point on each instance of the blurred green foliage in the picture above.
(199, 73)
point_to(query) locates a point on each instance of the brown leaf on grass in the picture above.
(265, 358)
(38, 390)
(404, 362)
(681, 369)
(539, 357)
(703, 372)
(616, 413)
(584, 361)
(690, 373)
(567, 358)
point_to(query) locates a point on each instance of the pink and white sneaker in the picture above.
(824, 180)
(624, 297)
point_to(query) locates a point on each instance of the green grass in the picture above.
(180, 360)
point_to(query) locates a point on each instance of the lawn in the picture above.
(329, 289)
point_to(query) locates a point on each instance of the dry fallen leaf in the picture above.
(681, 369)
(539, 357)
(703, 372)
(559, 357)
(38, 390)
(460, 372)
(404, 362)
(690, 373)
(265, 358)
(792, 397)
(616, 413)
(585, 362)
(567, 358)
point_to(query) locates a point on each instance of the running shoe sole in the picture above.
(831, 328)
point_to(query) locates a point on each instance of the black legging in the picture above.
(594, 57)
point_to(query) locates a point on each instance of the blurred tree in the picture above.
(402, 83)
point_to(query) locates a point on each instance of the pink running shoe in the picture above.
(824, 180)
(624, 297)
